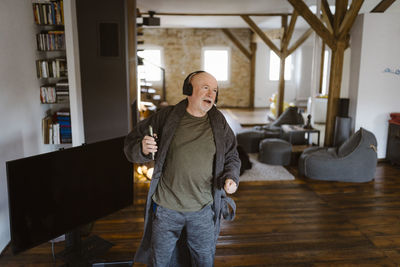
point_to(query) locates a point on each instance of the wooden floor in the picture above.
(279, 223)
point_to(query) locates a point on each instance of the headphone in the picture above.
(187, 85)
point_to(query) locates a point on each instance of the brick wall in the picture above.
(182, 55)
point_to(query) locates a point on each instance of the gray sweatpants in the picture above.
(167, 228)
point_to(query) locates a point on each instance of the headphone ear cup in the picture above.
(187, 86)
(190, 89)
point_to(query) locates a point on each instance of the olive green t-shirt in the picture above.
(186, 183)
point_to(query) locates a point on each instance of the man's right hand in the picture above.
(149, 145)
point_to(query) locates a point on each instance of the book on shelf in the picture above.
(48, 12)
(64, 120)
(46, 125)
(62, 83)
(63, 113)
(56, 129)
(50, 40)
(51, 68)
(56, 126)
(48, 94)
(63, 99)
(51, 94)
(56, 134)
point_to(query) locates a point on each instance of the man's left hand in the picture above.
(230, 186)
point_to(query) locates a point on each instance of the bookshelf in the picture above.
(52, 71)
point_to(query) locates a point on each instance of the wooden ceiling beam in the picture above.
(349, 18)
(219, 14)
(340, 12)
(289, 32)
(328, 26)
(300, 41)
(327, 16)
(284, 20)
(238, 44)
(314, 22)
(261, 34)
(382, 6)
(253, 48)
(327, 13)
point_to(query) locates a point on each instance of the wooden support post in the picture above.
(253, 26)
(349, 18)
(253, 47)
(321, 73)
(238, 44)
(289, 32)
(327, 15)
(281, 92)
(338, 41)
(314, 22)
(340, 12)
(300, 41)
(282, 56)
(335, 81)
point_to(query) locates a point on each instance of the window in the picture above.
(216, 62)
(275, 65)
(152, 59)
(324, 89)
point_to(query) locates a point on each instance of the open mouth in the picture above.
(207, 101)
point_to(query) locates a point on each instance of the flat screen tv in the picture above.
(55, 193)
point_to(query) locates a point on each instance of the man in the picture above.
(196, 164)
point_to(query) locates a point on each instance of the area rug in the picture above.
(264, 172)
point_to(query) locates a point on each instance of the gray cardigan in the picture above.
(226, 163)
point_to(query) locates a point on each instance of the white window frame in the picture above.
(286, 66)
(228, 49)
(154, 47)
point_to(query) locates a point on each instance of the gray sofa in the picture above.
(291, 115)
(250, 139)
(354, 161)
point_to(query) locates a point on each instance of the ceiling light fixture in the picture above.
(151, 20)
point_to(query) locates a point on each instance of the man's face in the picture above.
(205, 89)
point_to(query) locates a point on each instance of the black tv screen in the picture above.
(54, 193)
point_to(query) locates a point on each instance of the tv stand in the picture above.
(82, 253)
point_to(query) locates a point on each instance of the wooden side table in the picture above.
(292, 129)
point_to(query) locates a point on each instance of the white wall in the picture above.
(344, 89)
(20, 109)
(298, 88)
(262, 93)
(302, 71)
(373, 93)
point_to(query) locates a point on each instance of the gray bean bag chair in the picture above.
(291, 115)
(354, 161)
(249, 140)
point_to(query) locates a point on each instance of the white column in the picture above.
(74, 73)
